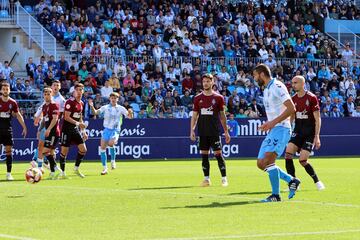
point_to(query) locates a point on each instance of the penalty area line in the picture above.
(265, 235)
(6, 236)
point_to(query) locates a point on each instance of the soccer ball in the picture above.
(33, 175)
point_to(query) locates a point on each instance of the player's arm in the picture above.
(20, 118)
(38, 115)
(317, 117)
(194, 119)
(93, 110)
(69, 119)
(55, 118)
(290, 110)
(223, 121)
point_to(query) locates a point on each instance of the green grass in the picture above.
(147, 200)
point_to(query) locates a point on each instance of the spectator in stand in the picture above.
(233, 126)
(349, 106)
(30, 68)
(106, 90)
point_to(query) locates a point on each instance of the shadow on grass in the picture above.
(160, 188)
(15, 180)
(217, 205)
(264, 192)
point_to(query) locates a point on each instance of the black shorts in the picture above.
(51, 141)
(6, 137)
(303, 142)
(71, 137)
(207, 142)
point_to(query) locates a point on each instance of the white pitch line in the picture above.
(196, 195)
(15, 237)
(264, 235)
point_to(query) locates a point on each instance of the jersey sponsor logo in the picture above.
(207, 111)
(302, 115)
(5, 115)
(77, 115)
(275, 142)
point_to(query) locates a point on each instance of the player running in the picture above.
(60, 100)
(8, 109)
(306, 133)
(207, 112)
(113, 117)
(73, 130)
(50, 112)
(279, 107)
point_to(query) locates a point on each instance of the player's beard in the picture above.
(207, 88)
(5, 94)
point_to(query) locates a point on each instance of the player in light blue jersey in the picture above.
(113, 117)
(38, 157)
(279, 107)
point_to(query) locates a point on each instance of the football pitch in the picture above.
(163, 200)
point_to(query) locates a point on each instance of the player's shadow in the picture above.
(249, 193)
(160, 188)
(217, 205)
(15, 180)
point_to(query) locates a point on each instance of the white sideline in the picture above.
(15, 237)
(264, 235)
(195, 194)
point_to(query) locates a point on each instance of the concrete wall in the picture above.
(14, 39)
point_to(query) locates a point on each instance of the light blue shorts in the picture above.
(109, 134)
(276, 141)
(42, 135)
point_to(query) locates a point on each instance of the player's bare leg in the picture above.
(103, 156)
(206, 168)
(304, 156)
(111, 145)
(222, 167)
(9, 159)
(80, 156)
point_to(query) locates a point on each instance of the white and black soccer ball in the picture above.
(33, 175)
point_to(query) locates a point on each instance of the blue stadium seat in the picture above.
(4, 14)
(28, 9)
(135, 107)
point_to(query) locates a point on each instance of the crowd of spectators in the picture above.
(154, 53)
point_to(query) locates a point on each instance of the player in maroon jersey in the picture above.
(8, 109)
(50, 113)
(208, 111)
(306, 133)
(73, 130)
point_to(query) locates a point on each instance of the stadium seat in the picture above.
(135, 107)
(4, 14)
(28, 9)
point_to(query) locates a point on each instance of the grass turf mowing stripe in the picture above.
(15, 237)
(195, 194)
(330, 232)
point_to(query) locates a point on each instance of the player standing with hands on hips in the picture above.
(207, 112)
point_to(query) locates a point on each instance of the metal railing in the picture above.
(36, 32)
(346, 36)
(203, 62)
(7, 12)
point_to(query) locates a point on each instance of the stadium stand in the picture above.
(154, 53)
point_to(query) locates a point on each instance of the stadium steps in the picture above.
(348, 38)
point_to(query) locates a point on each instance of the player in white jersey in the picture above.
(279, 107)
(113, 115)
(59, 99)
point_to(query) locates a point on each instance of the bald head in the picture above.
(298, 83)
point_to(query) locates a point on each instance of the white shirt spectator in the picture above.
(187, 66)
(168, 19)
(195, 50)
(271, 63)
(347, 54)
(101, 66)
(157, 53)
(264, 54)
(243, 28)
(224, 77)
(106, 91)
(120, 70)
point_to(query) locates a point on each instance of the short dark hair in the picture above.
(5, 84)
(208, 75)
(56, 81)
(78, 85)
(262, 68)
